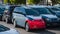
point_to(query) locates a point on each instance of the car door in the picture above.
(20, 18)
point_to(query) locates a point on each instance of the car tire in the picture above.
(6, 20)
(3, 18)
(27, 27)
(14, 23)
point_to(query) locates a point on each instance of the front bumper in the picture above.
(53, 23)
(36, 24)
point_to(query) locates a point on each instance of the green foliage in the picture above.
(15, 1)
(12, 1)
(36, 1)
(20, 1)
(5, 1)
(55, 1)
(33, 1)
(30, 1)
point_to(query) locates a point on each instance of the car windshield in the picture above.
(3, 28)
(42, 10)
(31, 12)
(55, 9)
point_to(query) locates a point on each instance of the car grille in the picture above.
(54, 20)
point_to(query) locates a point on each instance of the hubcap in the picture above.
(14, 23)
(6, 20)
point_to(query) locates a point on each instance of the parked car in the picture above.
(27, 18)
(1, 12)
(46, 15)
(5, 30)
(54, 10)
(7, 16)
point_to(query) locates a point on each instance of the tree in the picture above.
(36, 1)
(20, 1)
(33, 1)
(5, 1)
(12, 1)
(55, 2)
(29, 1)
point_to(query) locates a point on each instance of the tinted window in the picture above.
(17, 9)
(55, 9)
(42, 10)
(58, 13)
(1, 10)
(3, 28)
(31, 12)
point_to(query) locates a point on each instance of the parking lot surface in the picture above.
(55, 30)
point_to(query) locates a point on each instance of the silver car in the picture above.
(5, 30)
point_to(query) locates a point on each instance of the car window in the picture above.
(55, 9)
(1, 10)
(42, 10)
(58, 13)
(19, 10)
(31, 12)
(3, 28)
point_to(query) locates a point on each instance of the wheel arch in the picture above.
(26, 23)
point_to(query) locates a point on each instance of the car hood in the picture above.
(11, 31)
(50, 16)
(33, 17)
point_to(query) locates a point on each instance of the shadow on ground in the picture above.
(42, 32)
(54, 28)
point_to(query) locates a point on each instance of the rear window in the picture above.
(3, 28)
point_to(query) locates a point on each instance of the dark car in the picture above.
(46, 15)
(7, 16)
(2, 8)
(54, 10)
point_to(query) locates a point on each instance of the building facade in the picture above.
(45, 2)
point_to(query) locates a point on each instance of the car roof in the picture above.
(25, 7)
(51, 7)
(37, 6)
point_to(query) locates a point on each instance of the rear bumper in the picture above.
(36, 24)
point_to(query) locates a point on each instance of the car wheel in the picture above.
(14, 23)
(2, 18)
(6, 20)
(27, 27)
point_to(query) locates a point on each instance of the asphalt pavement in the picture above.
(53, 30)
